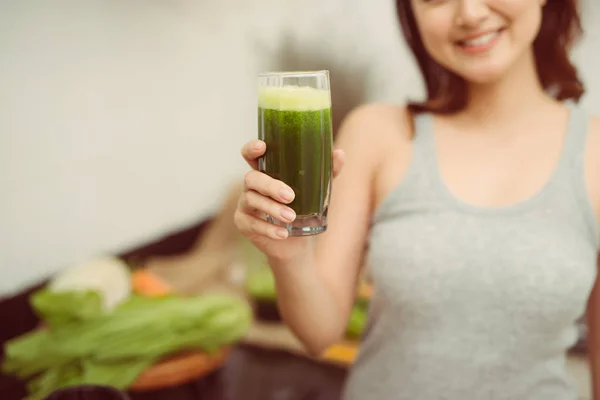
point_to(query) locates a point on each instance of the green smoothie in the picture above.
(295, 123)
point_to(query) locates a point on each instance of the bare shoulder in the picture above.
(595, 125)
(593, 147)
(375, 127)
(592, 163)
(379, 119)
(381, 136)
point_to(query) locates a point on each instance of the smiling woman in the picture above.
(477, 211)
(547, 34)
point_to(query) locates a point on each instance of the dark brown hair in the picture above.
(447, 92)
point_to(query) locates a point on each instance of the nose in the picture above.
(471, 13)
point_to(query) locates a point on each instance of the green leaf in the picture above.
(60, 308)
(356, 323)
(261, 284)
(116, 374)
(88, 346)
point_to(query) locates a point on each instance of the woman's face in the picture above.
(480, 40)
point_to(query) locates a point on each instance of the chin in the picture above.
(483, 77)
(483, 74)
(485, 68)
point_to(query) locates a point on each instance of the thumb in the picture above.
(338, 161)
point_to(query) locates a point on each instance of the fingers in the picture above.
(250, 225)
(267, 186)
(338, 161)
(264, 195)
(251, 202)
(252, 151)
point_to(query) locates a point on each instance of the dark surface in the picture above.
(253, 374)
(267, 311)
(250, 373)
(88, 392)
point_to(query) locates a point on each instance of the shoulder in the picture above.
(377, 140)
(372, 126)
(592, 163)
(378, 115)
(593, 146)
(595, 125)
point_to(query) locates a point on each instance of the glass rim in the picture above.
(293, 73)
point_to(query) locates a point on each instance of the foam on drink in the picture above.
(293, 98)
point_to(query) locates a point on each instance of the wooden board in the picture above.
(279, 337)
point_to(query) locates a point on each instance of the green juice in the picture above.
(295, 123)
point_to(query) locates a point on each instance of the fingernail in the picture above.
(282, 233)
(288, 214)
(258, 145)
(286, 194)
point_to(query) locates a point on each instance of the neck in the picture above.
(516, 92)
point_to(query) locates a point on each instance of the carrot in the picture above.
(343, 353)
(146, 283)
(365, 290)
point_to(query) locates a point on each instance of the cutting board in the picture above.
(277, 336)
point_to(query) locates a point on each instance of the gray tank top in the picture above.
(475, 303)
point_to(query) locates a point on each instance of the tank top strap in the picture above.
(571, 173)
(423, 130)
(576, 139)
(422, 127)
(424, 144)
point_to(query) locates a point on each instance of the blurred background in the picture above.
(121, 120)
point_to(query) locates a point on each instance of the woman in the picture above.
(480, 208)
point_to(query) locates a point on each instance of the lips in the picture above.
(481, 39)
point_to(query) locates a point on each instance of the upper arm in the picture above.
(592, 165)
(593, 337)
(340, 251)
(593, 310)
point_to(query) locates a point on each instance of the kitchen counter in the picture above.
(253, 373)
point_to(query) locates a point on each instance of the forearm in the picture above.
(594, 359)
(593, 340)
(308, 304)
(594, 370)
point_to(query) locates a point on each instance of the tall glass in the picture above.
(294, 120)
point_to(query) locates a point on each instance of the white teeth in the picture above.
(481, 40)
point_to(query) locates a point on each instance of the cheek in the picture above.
(524, 30)
(525, 17)
(435, 34)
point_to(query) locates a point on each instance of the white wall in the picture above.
(121, 119)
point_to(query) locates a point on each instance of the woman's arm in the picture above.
(593, 311)
(593, 316)
(316, 294)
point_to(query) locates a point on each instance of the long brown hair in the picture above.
(447, 92)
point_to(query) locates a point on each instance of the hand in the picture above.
(264, 195)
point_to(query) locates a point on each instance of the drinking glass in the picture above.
(294, 120)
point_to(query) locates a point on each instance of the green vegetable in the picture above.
(357, 322)
(107, 275)
(261, 284)
(57, 308)
(362, 302)
(114, 348)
